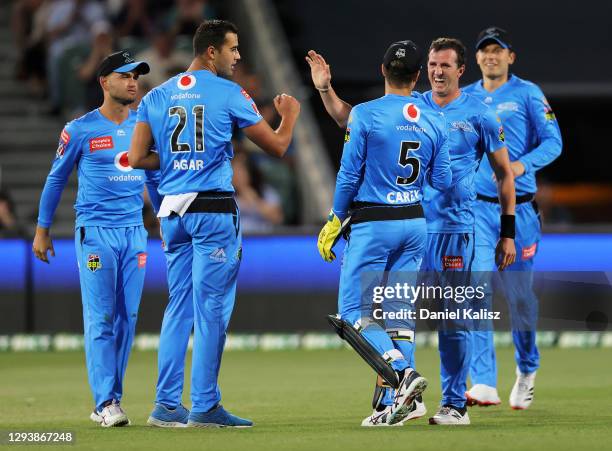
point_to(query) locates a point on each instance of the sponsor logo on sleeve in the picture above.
(93, 262)
(186, 82)
(61, 150)
(63, 142)
(529, 251)
(548, 111)
(65, 136)
(411, 112)
(142, 260)
(347, 135)
(502, 135)
(101, 143)
(452, 262)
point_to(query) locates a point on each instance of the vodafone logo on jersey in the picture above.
(122, 163)
(186, 82)
(412, 113)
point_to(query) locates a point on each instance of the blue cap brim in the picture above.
(492, 38)
(138, 66)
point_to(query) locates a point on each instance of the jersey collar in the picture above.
(511, 80)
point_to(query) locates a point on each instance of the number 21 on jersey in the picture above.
(180, 112)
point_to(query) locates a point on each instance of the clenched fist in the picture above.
(287, 106)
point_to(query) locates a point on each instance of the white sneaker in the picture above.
(482, 395)
(95, 417)
(417, 410)
(449, 416)
(411, 386)
(521, 395)
(378, 419)
(112, 416)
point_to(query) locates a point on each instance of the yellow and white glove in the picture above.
(329, 236)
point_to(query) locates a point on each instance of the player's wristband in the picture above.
(323, 89)
(508, 228)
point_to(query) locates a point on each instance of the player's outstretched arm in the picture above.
(276, 142)
(42, 243)
(140, 155)
(337, 108)
(505, 252)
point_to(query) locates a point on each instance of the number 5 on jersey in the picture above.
(182, 147)
(405, 160)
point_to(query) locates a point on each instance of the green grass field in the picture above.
(314, 400)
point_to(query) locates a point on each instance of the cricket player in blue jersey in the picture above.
(474, 131)
(394, 145)
(190, 118)
(534, 140)
(110, 239)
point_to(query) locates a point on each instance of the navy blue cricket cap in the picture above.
(406, 52)
(493, 34)
(122, 62)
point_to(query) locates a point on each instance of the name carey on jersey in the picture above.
(403, 197)
(187, 165)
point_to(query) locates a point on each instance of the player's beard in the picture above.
(226, 71)
(123, 100)
(228, 75)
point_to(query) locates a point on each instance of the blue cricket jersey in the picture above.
(110, 192)
(192, 117)
(532, 132)
(473, 130)
(392, 146)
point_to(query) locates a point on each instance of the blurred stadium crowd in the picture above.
(55, 46)
(60, 44)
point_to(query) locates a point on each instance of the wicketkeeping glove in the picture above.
(329, 236)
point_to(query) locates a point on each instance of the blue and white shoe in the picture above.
(217, 418)
(163, 417)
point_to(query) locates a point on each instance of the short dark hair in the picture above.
(452, 44)
(211, 32)
(399, 75)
